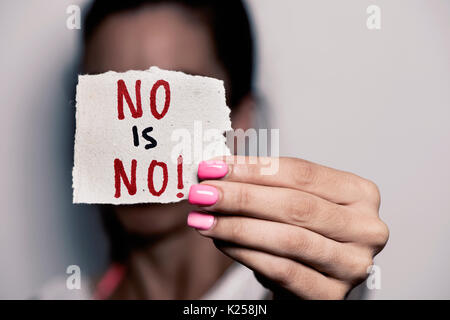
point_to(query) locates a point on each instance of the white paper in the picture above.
(193, 127)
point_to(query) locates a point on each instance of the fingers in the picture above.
(334, 185)
(299, 244)
(303, 226)
(295, 277)
(284, 205)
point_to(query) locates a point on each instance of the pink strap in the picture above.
(110, 281)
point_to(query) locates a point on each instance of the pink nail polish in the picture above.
(212, 169)
(203, 195)
(200, 221)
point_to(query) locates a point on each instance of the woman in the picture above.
(308, 231)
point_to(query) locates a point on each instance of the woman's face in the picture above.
(167, 36)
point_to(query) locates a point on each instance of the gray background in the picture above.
(376, 103)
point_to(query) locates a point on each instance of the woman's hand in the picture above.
(309, 229)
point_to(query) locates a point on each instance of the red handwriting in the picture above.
(136, 110)
(155, 87)
(120, 176)
(180, 185)
(151, 170)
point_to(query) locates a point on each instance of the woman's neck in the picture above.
(183, 265)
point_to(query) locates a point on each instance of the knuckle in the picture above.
(253, 170)
(284, 274)
(242, 198)
(379, 235)
(372, 192)
(338, 217)
(243, 168)
(348, 181)
(296, 243)
(309, 283)
(249, 168)
(235, 229)
(301, 209)
(363, 262)
(334, 254)
(304, 173)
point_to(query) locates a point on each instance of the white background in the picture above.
(376, 103)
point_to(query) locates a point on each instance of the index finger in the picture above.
(333, 185)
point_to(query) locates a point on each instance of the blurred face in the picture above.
(166, 36)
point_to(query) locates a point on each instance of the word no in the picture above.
(136, 111)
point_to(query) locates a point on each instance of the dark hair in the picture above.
(233, 41)
(229, 25)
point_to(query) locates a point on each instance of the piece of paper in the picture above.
(141, 134)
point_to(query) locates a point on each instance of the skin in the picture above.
(308, 230)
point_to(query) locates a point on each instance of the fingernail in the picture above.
(212, 169)
(203, 195)
(199, 220)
